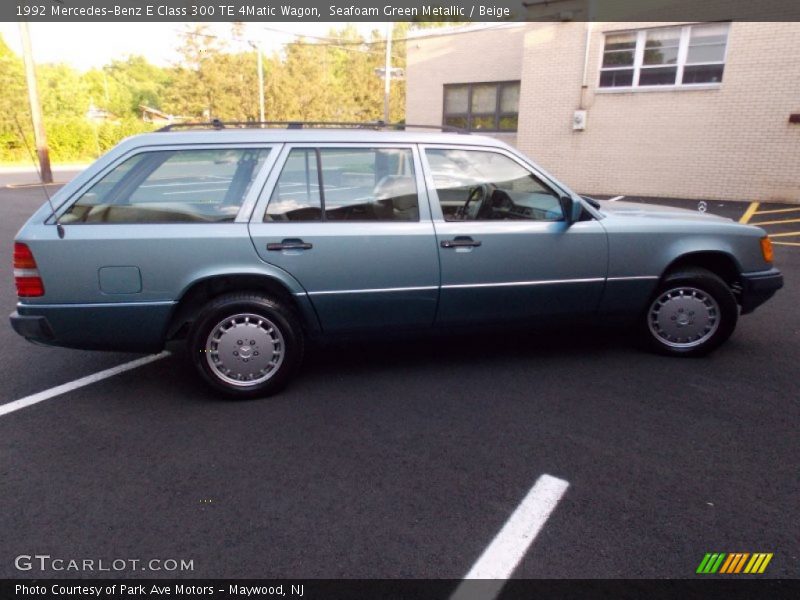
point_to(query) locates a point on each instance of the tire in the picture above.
(246, 345)
(692, 312)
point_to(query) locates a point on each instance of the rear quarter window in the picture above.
(171, 186)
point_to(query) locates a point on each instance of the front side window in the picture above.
(482, 106)
(477, 185)
(345, 184)
(171, 186)
(665, 56)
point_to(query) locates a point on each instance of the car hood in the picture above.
(654, 211)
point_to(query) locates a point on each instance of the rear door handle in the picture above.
(461, 241)
(289, 244)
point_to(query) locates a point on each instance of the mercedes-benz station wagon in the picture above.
(248, 242)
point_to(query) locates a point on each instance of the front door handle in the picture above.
(289, 244)
(461, 241)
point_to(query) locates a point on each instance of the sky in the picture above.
(88, 45)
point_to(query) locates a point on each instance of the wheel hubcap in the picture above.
(245, 349)
(683, 317)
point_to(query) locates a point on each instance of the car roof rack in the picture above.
(377, 125)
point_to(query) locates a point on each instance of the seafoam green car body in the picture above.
(132, 286)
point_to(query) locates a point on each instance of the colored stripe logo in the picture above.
(734, 563)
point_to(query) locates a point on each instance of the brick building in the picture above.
(693, 110)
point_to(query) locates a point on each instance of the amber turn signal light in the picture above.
(766, 249)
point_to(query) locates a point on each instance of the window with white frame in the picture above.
(687, 55)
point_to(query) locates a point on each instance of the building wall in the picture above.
(491, 55)
(733, 142)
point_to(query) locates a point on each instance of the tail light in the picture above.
(26, 274)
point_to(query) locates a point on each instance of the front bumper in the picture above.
(32, 327)
(757, 288)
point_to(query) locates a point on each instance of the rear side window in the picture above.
(296, 196)
(346, 184)
(172, 186)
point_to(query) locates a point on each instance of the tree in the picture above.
(13, 103)
(133, 82)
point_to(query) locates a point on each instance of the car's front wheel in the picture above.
(692, 313)
(246, 345)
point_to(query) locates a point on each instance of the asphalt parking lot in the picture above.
(405, 459)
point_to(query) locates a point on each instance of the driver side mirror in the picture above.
(570, 208)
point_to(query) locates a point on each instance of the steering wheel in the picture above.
(477, 193)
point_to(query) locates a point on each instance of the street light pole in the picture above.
(261, 111)
(36, 108)
(387, 75)
(260, 85)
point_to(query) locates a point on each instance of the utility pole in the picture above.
(257, 48)
(39, 136)
(260, 84)
(387, 75)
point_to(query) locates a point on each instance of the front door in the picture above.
(351, 224)
(506, 251)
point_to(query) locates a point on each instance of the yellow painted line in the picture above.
(777, 210)
(749, 212)
(765, 563)
(772, 222)
(786, 243)
(790, 233)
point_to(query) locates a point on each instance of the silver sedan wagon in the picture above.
(247, 242)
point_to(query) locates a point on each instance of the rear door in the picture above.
(143, 228)
(352, 224)
(506, 251)
(159, 214)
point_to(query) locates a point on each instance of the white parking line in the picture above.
(507, 549)
(195, 191)
(181, 184)
(78, 383)
(615, 198)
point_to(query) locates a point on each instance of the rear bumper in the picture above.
(32, 327)
(759, 287)
(122, 327)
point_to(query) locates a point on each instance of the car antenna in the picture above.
(59, 226)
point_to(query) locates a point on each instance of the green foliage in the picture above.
(308, 80)
(76, 139)
(13, 97)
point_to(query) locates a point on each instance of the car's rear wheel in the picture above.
(246, 345)
(692, 313)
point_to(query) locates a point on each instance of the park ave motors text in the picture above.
(263, 10)
(131, 589)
